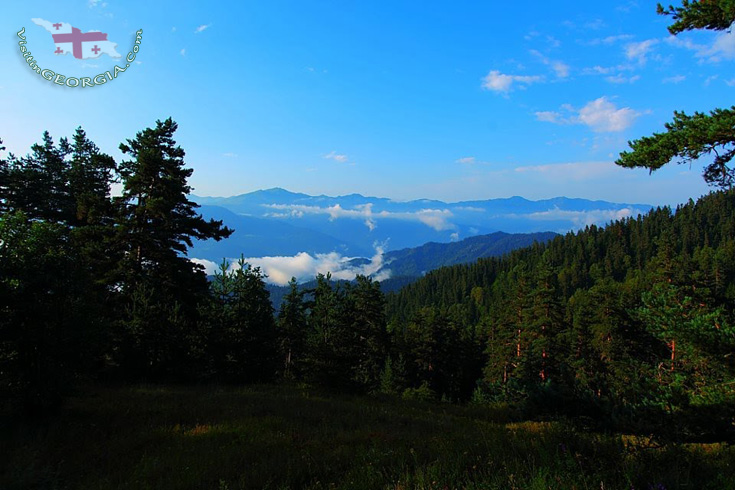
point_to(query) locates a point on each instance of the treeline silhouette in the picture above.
(628, 327)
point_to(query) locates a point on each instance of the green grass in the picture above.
(167, 437)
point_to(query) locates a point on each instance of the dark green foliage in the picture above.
(687, 139)
(90, 283)
(414, 262)
(48, 331)
(37, 183)
(241, 332)
(155, 223)
(704, 14)
(292, 331)
(365, 325)
(346, 339)
(628, 326)
(51, 267)
(588, 323)
(91, 174)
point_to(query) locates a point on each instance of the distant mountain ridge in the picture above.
(402, 267)
(291, 234)
(414, 262)
(356, 222)
(260, 237)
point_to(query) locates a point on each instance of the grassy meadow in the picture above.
(171, 437)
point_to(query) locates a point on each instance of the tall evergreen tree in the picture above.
(91, 175)
(292, 330)
(365, 329)
(252, 339)
(155, 225)
(37, 184)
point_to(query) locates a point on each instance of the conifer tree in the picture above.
(155, 225)
(292, 330)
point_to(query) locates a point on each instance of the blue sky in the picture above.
(442, 100)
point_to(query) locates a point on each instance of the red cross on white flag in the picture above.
(82, 45)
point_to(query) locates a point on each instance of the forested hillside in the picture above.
(630, 325)
(418, 261)
(634, 320)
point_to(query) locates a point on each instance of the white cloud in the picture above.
(336, 157)
(202, 28)
(674, 79)
(209, 267)
(499, 82)
(466, 160)
(549, 116)
(608, 70)
(639, 51)
(229, 154)
(553, 42)
(574, 171)
(595, 24)
(304, 266)
(722, 47)
(560, 68)
(627, 8)
(438, 219)
(730, 83)
(597, 70)
(600, 115)
(584, 218)
(614, 39)
(620, 78)
(183, 52)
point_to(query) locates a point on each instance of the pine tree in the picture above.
(252, 339)
(292, 325)
(91, 174)
(37, 184)
(155, 225)
(365, 328)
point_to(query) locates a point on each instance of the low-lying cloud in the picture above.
(437, 219)
(304, 266)
(584, 218)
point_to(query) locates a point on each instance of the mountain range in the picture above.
(297, 234)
